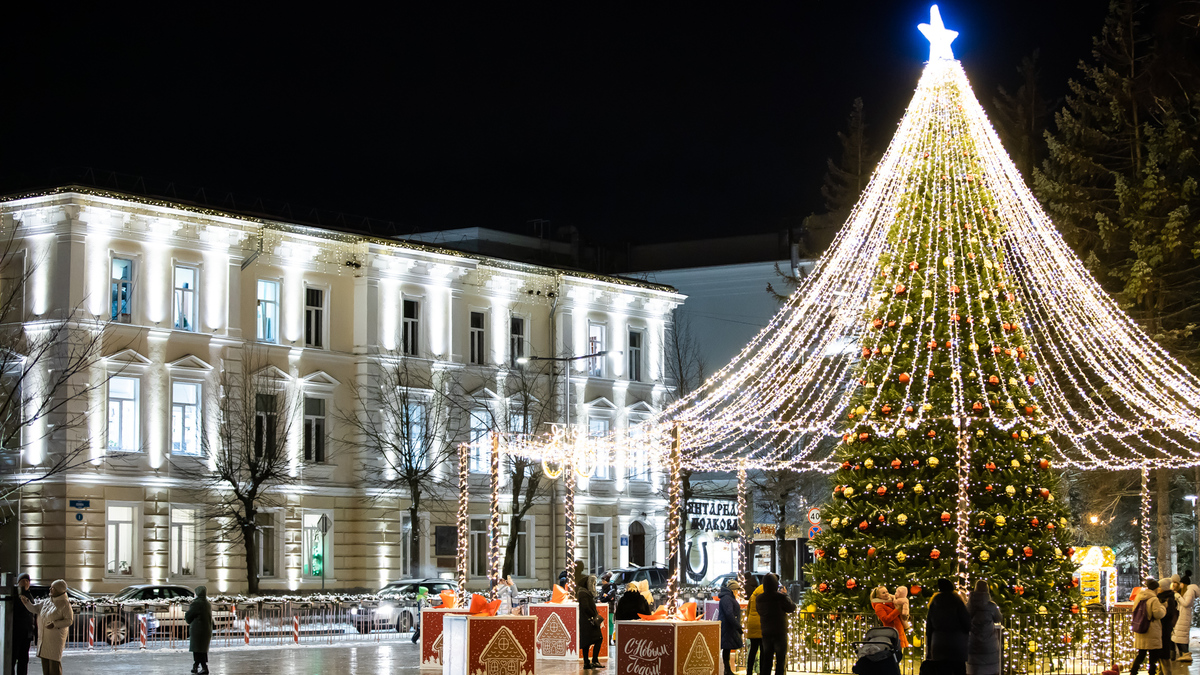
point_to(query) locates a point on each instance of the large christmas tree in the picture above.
(945, 468)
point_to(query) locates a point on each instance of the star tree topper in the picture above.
(939, 38)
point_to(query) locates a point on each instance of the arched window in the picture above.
(637, 543)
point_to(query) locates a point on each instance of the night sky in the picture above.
(634, 123)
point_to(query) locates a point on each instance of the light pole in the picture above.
(568, 477)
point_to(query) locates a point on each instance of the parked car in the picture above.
(655, 575)
(167, 602)
(397, 607)
(114, 624)
(753, 581)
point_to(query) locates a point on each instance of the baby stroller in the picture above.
(878, 653)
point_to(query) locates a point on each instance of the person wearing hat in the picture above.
(24, 628)
(1166, 652)
(54, 619)
(729, 613)
(1149, 643)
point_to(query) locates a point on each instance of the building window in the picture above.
(314, 429)
(522, 566)
(597, 548)
(414, 433)
(635, 355)
(265, 417)
(119, 529)
(597, 427)
(520, 422)
(638, 456)
(264, 535)
(185, 418)
(314, 317)
(406, 566)
(185, 298)
(478, 338)
(478, 546)
(318, 547)
(595, 346)
(481, 446)
(183, 542)
(123, 408)
(268, 311)
(409, 339)
(122, 290)
(516, 340)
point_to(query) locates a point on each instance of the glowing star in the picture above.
(939, 38)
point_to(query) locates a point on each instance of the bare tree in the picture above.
(48, 374)
(784, 495)
(400, 420)
(248, 457)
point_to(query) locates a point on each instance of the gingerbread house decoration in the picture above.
(699, 659)
(554, 639)
(503, 655)
(437, 651)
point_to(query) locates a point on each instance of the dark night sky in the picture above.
(632, 122)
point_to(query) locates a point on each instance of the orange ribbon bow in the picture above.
(481, 607)
(449, 599)
(559, 595)
(660, 613)
(688, 611)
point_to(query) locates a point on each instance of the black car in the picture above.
(395, 607)
(657, 577)
(752, 581)
(114, 624)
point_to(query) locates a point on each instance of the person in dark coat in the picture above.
(983, 645)
(590, 634)
(730, 612)
(199, 619)
(772, 606)
(24, 628)
(631, 604)
(1166, 653)
(947, 631)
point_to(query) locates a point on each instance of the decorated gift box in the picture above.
(431, 634)
(557, 629)
(488, 645)
(668, 647)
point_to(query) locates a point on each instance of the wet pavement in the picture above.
(302, 660)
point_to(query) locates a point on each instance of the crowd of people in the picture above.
(1162, 624)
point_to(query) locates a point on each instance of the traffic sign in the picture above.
(814, 531)
(814, 515)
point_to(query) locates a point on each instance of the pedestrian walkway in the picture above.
(303, 660)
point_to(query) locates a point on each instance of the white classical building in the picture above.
(181, 294)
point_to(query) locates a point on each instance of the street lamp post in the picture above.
(1195, 533)
(567, 471)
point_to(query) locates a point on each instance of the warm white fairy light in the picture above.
(569, 521)
(464, 511)
(962, 522)
(1144, 524)
(494, 558)
(743, 543)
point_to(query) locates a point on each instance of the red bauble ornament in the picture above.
(1074, 609)
(1028, 410)
(892, 324)
(871, 552)
(1070, 551)
(846, 465)
(935, 554)
(955, 289)
(1028, 552)
(866, 352)
(993, 380)
(1049, 526)
(916, 462)
(988, 488)
(949, 344)
(1045, 493)
(863, 436)
(909, 409)
(929, 374)
(931, 433)
(990, 466)
(899, 486)
(914, 590)
(881, 491)
(877, 323)
(955, 318)
(1019, 590)
(896, 464)
(839, 488)
(899, 289)
(904, 378)
(820, 552)
(886, 409)
(913, 266)
(880, 518)
(851, 583)
(945, 517)
(822, 587)
(863, 525)
(976, 406)
(1034, 522)
(932, 344)
(1044, 464)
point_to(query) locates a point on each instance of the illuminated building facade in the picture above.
(183, 293)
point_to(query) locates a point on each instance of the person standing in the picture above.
(772, 605)
(983, 646)
(730, 612)
(54, 619)
(1181, 634)
(889, 615)
(631, 604)
(199, 619)
(1166, 653)
(1147, 637)
(753, 628)
(507, 592)
(947, 630)
(24, 629)
(591, 636)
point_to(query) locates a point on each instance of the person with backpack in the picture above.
(729, 613)
(1147, 627)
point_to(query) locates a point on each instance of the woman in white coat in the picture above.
(507, 592)
(54, 619)
(1188, 593)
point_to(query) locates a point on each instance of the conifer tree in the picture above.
(1021, 117)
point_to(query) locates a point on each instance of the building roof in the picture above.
(331, 233)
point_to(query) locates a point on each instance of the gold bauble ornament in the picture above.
(869, 464)
(984, 555)
(860, 410)
(1008, 551)
(848, 492)
(1016, 464)
(900, 557)
(933, 462)
(901, 519)
(842, 552)
(1000, 521)
(918, 488)
(901, 433)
